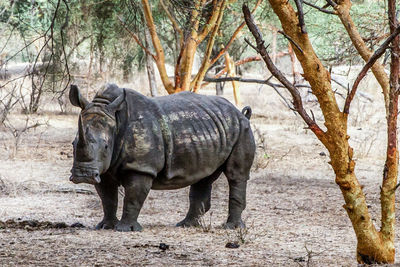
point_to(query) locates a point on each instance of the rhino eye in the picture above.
(106, 146)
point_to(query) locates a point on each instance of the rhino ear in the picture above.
(117, 103)
(76, 98)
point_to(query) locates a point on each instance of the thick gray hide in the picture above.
(181, 138)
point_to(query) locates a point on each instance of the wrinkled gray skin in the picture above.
(167, 142)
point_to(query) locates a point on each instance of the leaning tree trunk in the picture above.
(373, 246)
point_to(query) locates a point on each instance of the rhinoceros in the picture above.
(168, 142)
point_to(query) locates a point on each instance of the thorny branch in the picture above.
(377, 54)
(300, 14)
(262, 50)
(320, 8)
(291, 41)
(331, 3)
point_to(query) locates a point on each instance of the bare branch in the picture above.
(291, 41)
(297, 101)
(300, 14)
(331, 3)
(244, 80)
(173, 21)
(237, 79)
(320, 8)
(237, 63)
(136, 38)
(377, 54)
(233, 37)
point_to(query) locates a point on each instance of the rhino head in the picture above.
(94, 142)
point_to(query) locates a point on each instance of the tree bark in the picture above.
(343, 11)
(230, 64)
(372, 246)
(150, 66)
(390, 171)
(160, 57)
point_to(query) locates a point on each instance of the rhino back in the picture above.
(202, 131)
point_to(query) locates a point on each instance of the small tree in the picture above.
(202, 21)
(373, 245)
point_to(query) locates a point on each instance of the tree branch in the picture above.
(217, 9)
(238, 63)
(300, 14)
(160, 58)
(136, 38)
(343, 12)
(377, 54)
(245, 80)
(266, 82)
(320, 8)
(291, 41)
(331, 3)
(234, 35)
(297, 101)
(196, 83)
(173, 21)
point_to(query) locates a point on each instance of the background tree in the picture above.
(196, 24)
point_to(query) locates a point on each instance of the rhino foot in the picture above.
(234, 225)
(189, 222)
(127, 227)
(107, 224)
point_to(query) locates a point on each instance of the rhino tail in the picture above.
(246, 111)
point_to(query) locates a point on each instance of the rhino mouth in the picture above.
(85, 179)
(80, 176)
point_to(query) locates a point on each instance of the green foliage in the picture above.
(329, 37)
(84, 28)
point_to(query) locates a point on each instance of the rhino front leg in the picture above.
(137, 188)
(108, 193)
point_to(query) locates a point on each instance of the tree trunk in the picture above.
(230, 65)
(150, 66)
(188, 43)
(373, 246)
(343, 12)
(160, 57)
(219, 88)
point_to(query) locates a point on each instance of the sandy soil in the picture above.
(294, 214)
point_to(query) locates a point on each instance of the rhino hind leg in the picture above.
(200, 200)
(237, 171)
(137, 187)
(237, 203)
(108, 193)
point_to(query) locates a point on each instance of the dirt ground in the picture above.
(294, 214)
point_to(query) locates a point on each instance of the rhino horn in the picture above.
(82, 137)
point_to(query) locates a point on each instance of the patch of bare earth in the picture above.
(294, 210)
